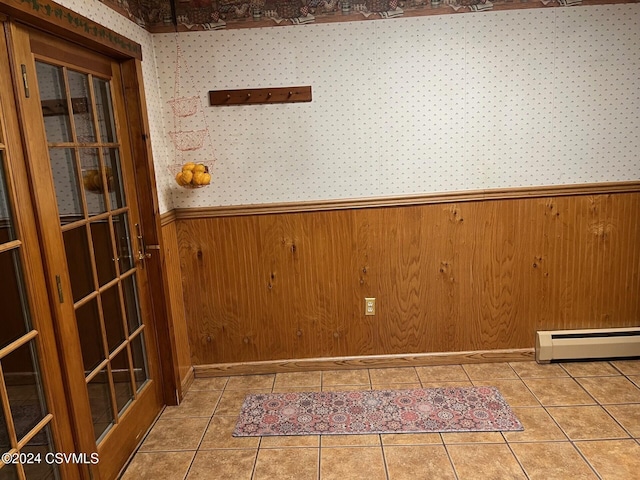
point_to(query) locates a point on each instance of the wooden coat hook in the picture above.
(254, 96)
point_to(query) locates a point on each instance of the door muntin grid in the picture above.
(94, 218)
(25, 421)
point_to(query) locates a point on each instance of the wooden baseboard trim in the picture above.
(186, 382)
(372, 361)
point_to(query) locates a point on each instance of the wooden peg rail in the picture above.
(254, 96)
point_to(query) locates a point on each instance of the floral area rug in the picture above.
(459, 409)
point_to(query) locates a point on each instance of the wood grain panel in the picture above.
(176, 302)
(448, 277)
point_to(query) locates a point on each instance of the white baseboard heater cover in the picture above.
(586, 344)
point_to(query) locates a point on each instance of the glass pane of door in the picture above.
(24, 416)
(85, 155)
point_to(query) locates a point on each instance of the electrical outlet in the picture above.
(369, 306)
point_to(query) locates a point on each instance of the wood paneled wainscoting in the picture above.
(478, 271)
(176, 301)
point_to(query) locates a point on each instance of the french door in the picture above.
(84, 189)
(34, 422)
(26, 419)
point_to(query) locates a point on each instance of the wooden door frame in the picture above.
(33, 272)
(96, 37)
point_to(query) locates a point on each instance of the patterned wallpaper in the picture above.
(413, 105)
(409, 106)
(115, 21)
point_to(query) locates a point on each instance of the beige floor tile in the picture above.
(287, 464)
(344, 388)
(345, 377)
(590, 369)
(196, 403)
(552, 461)
(349, 440)
(472, 437)
(285, 389)
(219, 435)
(384, 376)
(586, 423)
(423, 462)
(443, 384)
(628, 416)
(558, 391)
(231, 402)
(489, 371)
(484, 461)
(444, 373)
(280, 441)
(262, 383)
(635, 379)
(395, 386)
(515, 392)
(232, 464)
(411, 439)
(611, 389)
(538, 370)
(175, 434)
(538, 426)
(355, 463)
(542, 447)
(628, 367)
(159, 466)
(209, 383)
(298, 379)
(613, 459)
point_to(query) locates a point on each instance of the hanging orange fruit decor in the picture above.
(92, 180)
(193, 175)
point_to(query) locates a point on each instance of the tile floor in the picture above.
(582, 421)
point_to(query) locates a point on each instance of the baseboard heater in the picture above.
(587, 344)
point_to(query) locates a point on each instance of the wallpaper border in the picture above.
(210, 15)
